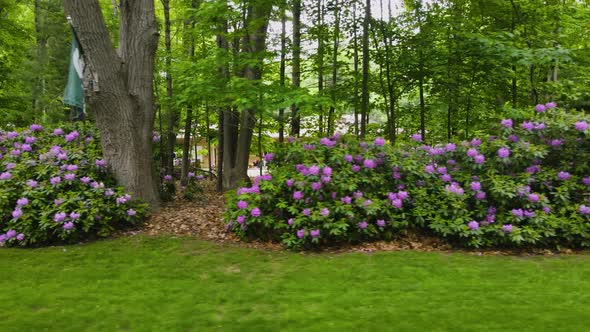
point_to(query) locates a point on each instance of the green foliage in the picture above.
(527, 185)
(55, 187)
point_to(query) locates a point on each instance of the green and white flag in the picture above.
(74, 92)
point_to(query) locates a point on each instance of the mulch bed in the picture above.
(203, 219)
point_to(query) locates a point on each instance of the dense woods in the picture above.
(236, 73)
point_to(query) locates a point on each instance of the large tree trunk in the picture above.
(365, 86)
(121, 91)
(254, 43)
(296, 71)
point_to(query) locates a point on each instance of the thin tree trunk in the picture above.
(356, 71)
(334, 66)
(320, 55)
(172, 114)
(365, 86)
(189, 109)
(41, 56)
(296, 74)
(282, 73)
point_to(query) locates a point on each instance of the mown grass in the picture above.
(181, 284)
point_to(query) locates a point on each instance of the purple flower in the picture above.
(70, 177)
(355, 168)
(475, 142)
(131, 212)
(109, 192)
(242, 204)
(397, 203)
(290, 221)
(10, 234)
(58, 132)
(429, 169)
(314, 232)
(513, 138)
(71, 168)
(563, 175)
(85, 180)
(450, 147)
(555, 142)
(297, 195)
(17, 213)
(533, 198)
(22, 201)
(551, 104)
(72, 136)
(75, 215)
(327, 171)
(473, 225)
(381, 223)
(472, 152)
(363, 225)
(306, 212)
(402, 195)
(480, 195)
(62, 156)
(30, 139)
(5, 176)
(269, 157)
(59, 217)
(301, 233)
(540, 108)
(417, 137)
(503, 152)
(546, 209)
(454, 188)
(533, 169)
(10, 166)
(527, 125)
(529, 214)
(58, 201)
(326, 179)
(290, 182)
(241, 219)
(586, 181)
(168, 177)
(327, 142)
(314, 170)
(506, 123)
(518, 213)
(379, 141)
(507, 228)
(316, 186)
(348, 158)
(367, 202)
(255, 212)
(26, 148)
(475, 186)
(584, 210)
(446, 178)
(346, 200)
(68, 225)
(100, 162)
(540, 126)
(581, 125)
(55, 180)
(369, 163)
(20, 237)
(36, 127)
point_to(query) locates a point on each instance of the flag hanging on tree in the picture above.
(74, 92)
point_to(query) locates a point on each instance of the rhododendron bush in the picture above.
(528, 184)
(54, 186)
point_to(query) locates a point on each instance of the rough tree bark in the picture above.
(282, 71)
(320, 61)
(172, 113)
(330, 130)
(121, 91)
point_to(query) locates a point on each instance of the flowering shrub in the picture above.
(527, 185)
(54, 186)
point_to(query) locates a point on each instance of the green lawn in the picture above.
(172, 284)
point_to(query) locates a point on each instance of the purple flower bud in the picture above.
(363, 225)
(17, 213)
(503, 152)
(68, 225)
(379, 141)
(506, 123)
(563, 175)
(473, 225)
(20, 237)
(297, 195)
(581, 126)
(58, 132)
(507, 228)
(314, 232)
(269, 157)
(301, 233)
(255, 212)
(59, 217)
(131, 212)
(381, 223)
(540, 108)
(242, 204)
